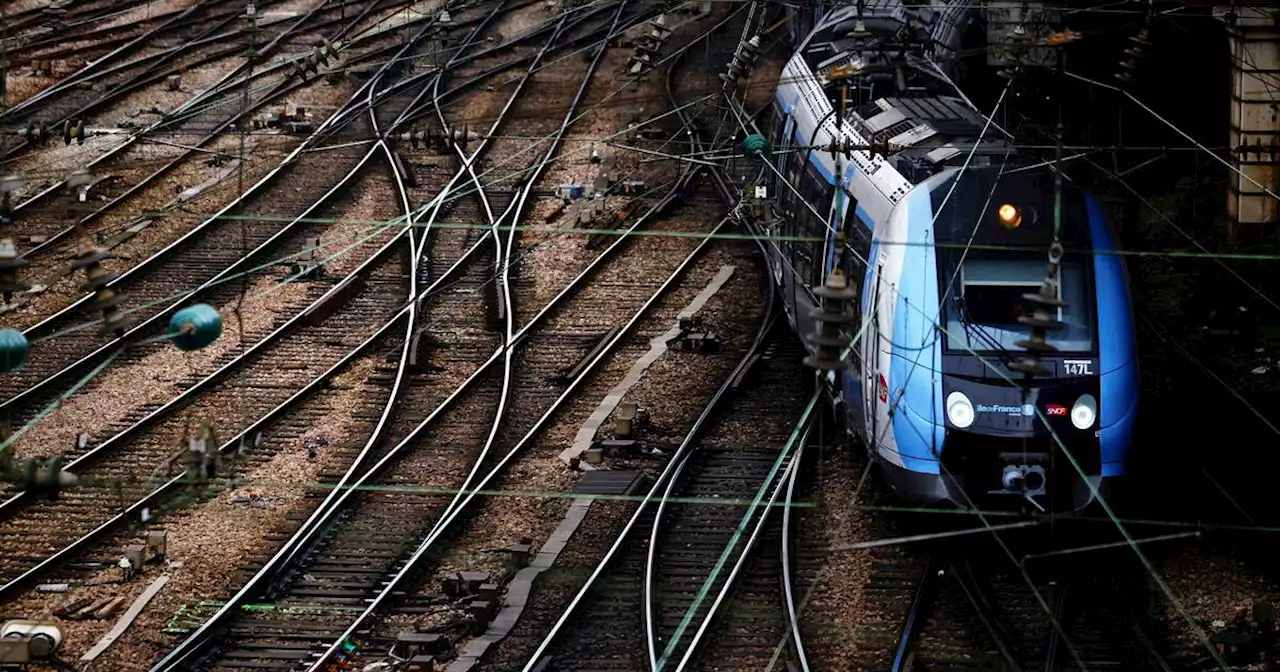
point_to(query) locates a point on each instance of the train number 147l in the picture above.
(1078, 367)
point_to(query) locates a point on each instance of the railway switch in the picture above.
(618, 448)
(135, 555)
(157, 545)
(624, 420)
(483, 610)
(23, 642)
(465, 584)
(79, 183)
(693, 338)
(8, 185)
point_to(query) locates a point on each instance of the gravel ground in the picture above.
(835, 604)
(208, 544)
(20, 85)
(158, 198)
(109, 398)
(63, 288)
(390, 21)
(672, 390)
(146, 12)
(1214, 589)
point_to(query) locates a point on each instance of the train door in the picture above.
(875, 386)
(788, 203)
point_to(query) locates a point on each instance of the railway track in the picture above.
(937, 601)
(79, 94)
(346, 555)
(373, 280)
(205, 256)
(435, 424)
(191, 132)
(154, 415)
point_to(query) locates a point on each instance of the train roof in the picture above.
(899, 65)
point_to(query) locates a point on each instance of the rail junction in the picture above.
(439, 335)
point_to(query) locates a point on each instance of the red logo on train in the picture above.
(1054, 409)
(884, 390)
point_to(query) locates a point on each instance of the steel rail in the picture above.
(103, 350)
(148, 75)
(313, 527)
(799, 655)
(790, 452)
(7, 590)
(187, 396)
(901, 660)
(310, 533)
(94, 37)
(281, 88)
(92, 66)
(974, 592)
(466, 497)
(161, 57)
(514, 212)
(662, 480)
(35, 16)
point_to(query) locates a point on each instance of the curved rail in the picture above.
(93, 66)
(184, 398)
(313, 527)
(798, 653)
(777, 487)
(467, 497)
(352, 105)
(226, 83)
(668, 473)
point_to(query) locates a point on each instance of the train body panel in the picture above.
(928, 390)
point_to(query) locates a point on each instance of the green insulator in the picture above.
(13, 350)
(195, 327)
(756, 147)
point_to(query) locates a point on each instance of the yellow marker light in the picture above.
(1009, 216)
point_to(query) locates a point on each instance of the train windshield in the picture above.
(983, 309)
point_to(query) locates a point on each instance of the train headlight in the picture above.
(1084, 412)
(959, 410)
(1009, 216)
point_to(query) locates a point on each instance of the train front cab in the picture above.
(958, 431)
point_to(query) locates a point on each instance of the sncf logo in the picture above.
(883, 390)
(1054, 409)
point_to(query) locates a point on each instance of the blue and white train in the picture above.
(939, 254)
